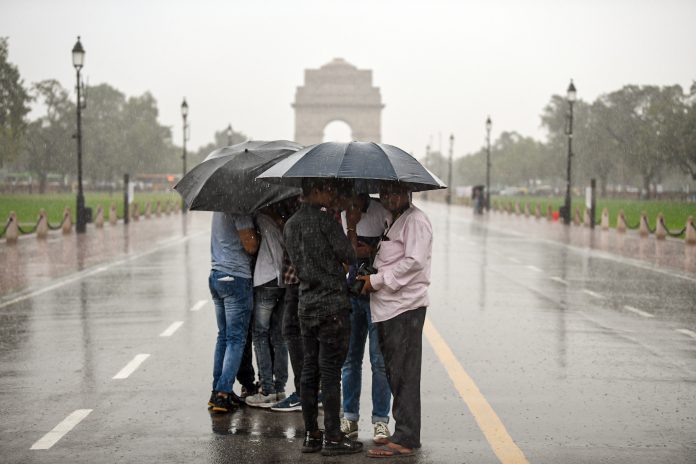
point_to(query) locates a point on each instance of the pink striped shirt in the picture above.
(403, 265)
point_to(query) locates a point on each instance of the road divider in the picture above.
(131, 366)
(60, 430)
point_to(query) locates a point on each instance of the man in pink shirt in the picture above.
(398, 299)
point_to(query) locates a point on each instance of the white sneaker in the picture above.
(381, 433)
(349, 428)
(260, 400)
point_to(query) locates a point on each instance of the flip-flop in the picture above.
(389, 453)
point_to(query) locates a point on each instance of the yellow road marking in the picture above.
(486, 418)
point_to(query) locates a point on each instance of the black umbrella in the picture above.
(226, 180)
(367, 163)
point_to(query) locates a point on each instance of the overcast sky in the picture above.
(442, 66)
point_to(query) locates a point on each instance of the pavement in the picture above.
(543, 343)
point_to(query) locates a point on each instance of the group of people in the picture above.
(314, 281)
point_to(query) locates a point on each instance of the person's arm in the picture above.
(342, 248)
(417, 248)
(250, 240)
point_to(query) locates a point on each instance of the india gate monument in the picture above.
(337, 91)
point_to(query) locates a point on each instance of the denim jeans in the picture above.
(268, 324)
(292, 333)
(325, 346)
(361, 325)
(232, 297)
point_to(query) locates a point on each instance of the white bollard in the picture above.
(67, 221)
(42, 225)
(12, 228)
(605, 219)
(621, 222)
(99, 217)
(690, 234)
(643, 229)
(113, 216)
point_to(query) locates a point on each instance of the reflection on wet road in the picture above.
(536, 350)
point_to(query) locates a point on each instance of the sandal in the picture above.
(386, 451)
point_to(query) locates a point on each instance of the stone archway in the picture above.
(338, 91)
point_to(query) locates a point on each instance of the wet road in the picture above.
(536, 351)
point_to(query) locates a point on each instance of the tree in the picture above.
(679, 137)
(14, 100)
(220, 140)
(49, 146)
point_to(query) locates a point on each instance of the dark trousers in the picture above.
(401, 340)
(325, 346)
(292, 333)
(246, 375)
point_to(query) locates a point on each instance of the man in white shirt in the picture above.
(398, 300)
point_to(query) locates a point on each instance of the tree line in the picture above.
(121, 134)
(635, 136)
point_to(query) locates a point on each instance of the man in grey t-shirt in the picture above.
(233, 241)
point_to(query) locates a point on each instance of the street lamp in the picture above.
(78, 59)
(184, 115)
(449, 180)
(229, 134)
(572, 93)
(489, 125)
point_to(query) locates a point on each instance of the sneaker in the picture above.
(349, 428)
(280, 396)
(291, 403)
(343, 446)
(312, 444)
(381, 433)
(239, 401)
(260, 400)
(211, 401)
(223, 404)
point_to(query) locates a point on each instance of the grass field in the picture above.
(27, 206)
(675, 213)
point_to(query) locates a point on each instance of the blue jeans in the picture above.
(361, 326)
(232, 297)
(268, 325)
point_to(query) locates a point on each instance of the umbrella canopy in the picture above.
(226, 180)
(367, 163)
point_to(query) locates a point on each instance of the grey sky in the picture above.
(442, 66)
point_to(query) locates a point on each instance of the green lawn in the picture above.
(676, 213)
(27, 206)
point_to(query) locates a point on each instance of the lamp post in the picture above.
(489, 125)
(229, 134)
(449, 179)
(78, 59)
(184, 115)
(572, 93)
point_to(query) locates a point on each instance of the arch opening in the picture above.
(338, 131)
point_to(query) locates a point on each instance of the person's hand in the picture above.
(353, 215)
(367, 288)
(364, 250)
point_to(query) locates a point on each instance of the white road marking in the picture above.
(171, 329)
(131, 366)
(514, 260)
(534, 268)
(688, 332)
(59, 431)
(638, 311)
(591, 293)
(559, 280)
(198, 305)
(78, 276)
(89, 272)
